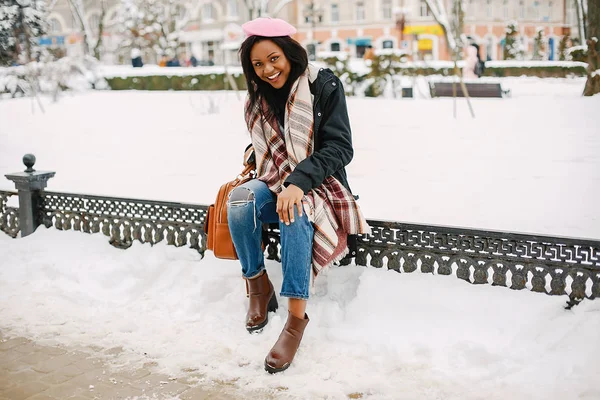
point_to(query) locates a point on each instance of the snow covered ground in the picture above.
(375, 332)
(528, 163)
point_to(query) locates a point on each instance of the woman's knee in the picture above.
(240, 205)
(240, 196)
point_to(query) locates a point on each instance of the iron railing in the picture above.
(545, 264)
(9, 216)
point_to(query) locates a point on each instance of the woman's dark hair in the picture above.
(257, 88)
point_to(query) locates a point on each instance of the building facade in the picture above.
(353, 25)
(212, 29)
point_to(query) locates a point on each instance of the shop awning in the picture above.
(360, 41)
(425, 44)
(423, 29)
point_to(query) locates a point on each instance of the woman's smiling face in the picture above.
(270, 63)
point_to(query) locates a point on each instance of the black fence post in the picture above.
(29, 185)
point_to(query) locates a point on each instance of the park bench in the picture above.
(544, 264)
(475, 89)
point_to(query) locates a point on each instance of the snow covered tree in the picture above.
(455, 37)
(152, 24)
(563, 45)
(513, 50)
(592, 85)
(581, 11)
(21, 24)
(539, 45)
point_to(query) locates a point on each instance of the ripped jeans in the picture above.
(249, 206)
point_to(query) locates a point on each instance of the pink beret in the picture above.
(268, 27)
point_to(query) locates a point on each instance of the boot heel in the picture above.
(273, 305)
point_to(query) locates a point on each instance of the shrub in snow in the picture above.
(577, 53)
(539, 45)
(385, 66)
(194, 81)
(51, 77)
(563, 45)
(339, 64)
(513, 47)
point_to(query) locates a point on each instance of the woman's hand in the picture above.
(289, 196)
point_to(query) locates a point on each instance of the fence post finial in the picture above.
(29, 184)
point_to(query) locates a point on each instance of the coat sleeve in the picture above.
(335, 149)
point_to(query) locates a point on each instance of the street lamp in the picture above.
(312, 15)
(400, 13)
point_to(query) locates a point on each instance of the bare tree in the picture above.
(98, 46)
(581, 10)
(592, 85)
(453, 31)
(78, 11)
(152, 24)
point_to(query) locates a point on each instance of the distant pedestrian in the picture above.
(173, 62)
(369, 54)
(136, 58)
(193, 61)
(470, 63)
(480, 66)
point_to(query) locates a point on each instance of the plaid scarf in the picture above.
(330, 207)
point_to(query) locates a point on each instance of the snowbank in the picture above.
(378, 333)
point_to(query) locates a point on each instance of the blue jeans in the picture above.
(249, 206)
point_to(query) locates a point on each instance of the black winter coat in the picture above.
(333, 136)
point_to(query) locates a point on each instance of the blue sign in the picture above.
(359, 41)
(52, 41)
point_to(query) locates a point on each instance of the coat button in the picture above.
(319, 114)
(333, 83)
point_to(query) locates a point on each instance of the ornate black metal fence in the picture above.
(544, 264)
(126, 220)
(9, 216)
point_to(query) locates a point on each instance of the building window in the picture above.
(550, 13)
(335, 13)
(424, 10)
(207, 13)
(210, 50)
(387, 44)
(233, 8)
(387, 9)
(535, 10)
(470, 11)
(521, 9)
(55, 26)
(489, 9)
(505, 13)
(335, 46)
(489, 49)
(360, 11)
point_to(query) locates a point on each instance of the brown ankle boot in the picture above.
(262, 300)
(281, 355)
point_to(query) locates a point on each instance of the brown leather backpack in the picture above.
(216, 227)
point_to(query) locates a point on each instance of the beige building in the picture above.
(352, 25)
(212, 29)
